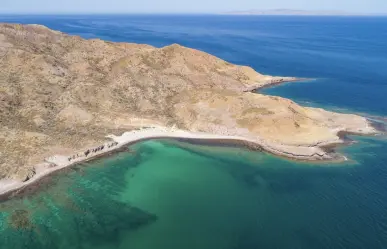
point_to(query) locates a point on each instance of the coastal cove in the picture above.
(324, 151)
(154, 185)
(144, 191)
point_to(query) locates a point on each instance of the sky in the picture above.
(185, 6)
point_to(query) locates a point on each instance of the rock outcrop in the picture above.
(60, 93)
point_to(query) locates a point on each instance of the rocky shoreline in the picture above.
(62, 93)
(274, 81)
(325, 151)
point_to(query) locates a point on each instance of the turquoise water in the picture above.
(171, 195)
(178, 195)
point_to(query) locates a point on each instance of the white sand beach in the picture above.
(57, 162)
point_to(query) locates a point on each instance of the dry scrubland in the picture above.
(61, 93)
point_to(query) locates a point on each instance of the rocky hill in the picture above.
(60, 93)
(295, 12)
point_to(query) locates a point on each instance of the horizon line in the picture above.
(229, 13)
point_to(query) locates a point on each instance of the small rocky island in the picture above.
(61, 94)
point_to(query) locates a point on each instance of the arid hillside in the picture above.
(60, 93)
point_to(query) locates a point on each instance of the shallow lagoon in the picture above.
(170, 194)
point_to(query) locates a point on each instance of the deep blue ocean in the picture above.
(173, 195)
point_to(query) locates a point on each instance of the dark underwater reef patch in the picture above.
(73, 209)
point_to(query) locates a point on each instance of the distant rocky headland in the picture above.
(294, 12)
(61, 95)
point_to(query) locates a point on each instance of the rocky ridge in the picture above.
(61, 93)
